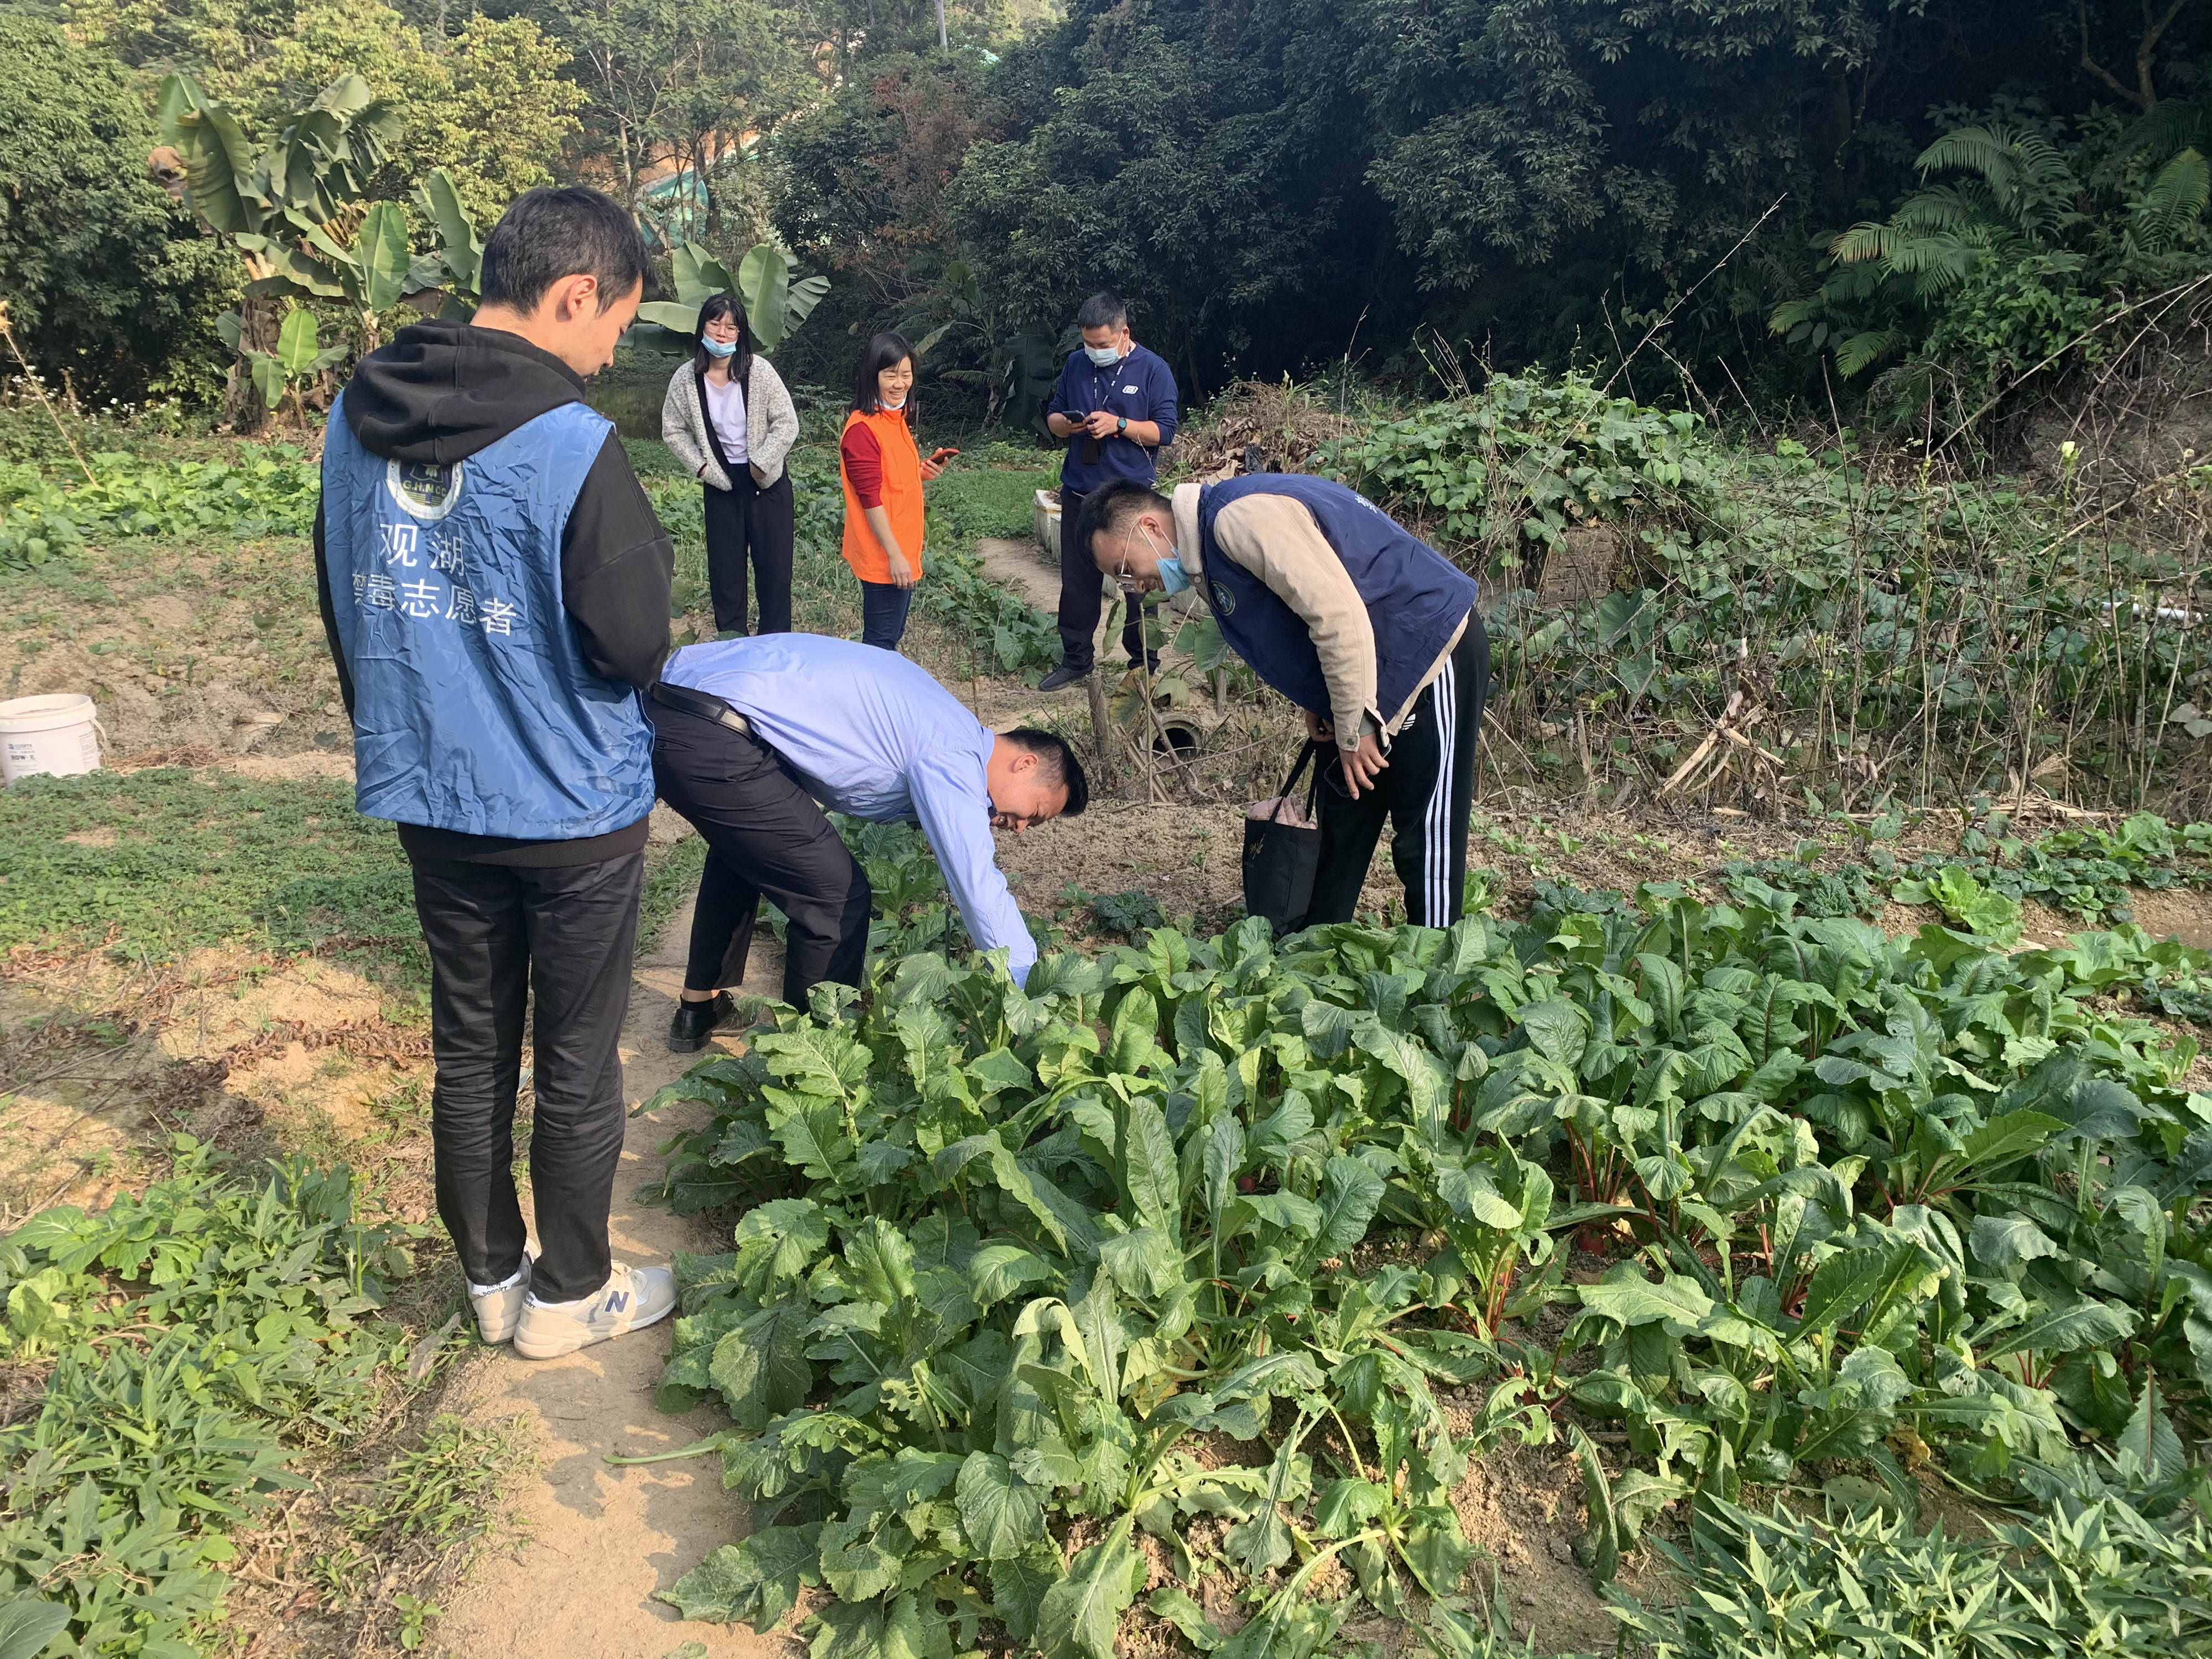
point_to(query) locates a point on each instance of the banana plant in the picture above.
(457, 261)
(775, 304)
(298, 357)
(293, 211)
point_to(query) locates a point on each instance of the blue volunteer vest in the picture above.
(474, 709)
(1415, 597)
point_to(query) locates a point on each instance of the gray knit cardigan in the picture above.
(771, 424)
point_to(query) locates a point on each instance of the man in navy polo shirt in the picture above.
(1115, 407)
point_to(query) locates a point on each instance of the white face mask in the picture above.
(1104, 356)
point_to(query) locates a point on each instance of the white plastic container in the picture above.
(1047, 520)
(57, 734)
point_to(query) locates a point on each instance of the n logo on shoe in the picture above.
(618, 1303)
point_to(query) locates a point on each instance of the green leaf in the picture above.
(755, 1581)
(1001, 1513)
(1175, 1606)
(671, 315)
(296, 347)
(380, 250)
(861, 1557)
(761, 1367)
(1675, 1302)
(1018, 1587)
(765, 284)
(2064, 1330)
(1350, 1194)
(997, 1271)
(457, 243)
(28, 1624)
(1149, 1166)
(1078, 1615)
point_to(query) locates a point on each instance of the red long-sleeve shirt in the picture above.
(863, 465)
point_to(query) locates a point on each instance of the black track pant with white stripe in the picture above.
(1425, 792)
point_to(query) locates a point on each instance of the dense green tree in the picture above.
(105, 278)
(489, 102)
(1544, 178)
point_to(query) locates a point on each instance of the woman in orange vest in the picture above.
(883, 473)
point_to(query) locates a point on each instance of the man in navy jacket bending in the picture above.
(1362, 625)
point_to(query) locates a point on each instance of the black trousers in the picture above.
(496, 934)
(1426, 792)
(884, 607)
(746, 518)
(1082, 595)
(765, 838)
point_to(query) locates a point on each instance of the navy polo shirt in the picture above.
(1141, 386)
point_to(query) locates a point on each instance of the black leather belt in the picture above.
(704, 704)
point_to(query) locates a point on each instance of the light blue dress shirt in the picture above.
(872, 734)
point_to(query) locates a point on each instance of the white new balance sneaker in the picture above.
(631, 1299)
(499, 1306)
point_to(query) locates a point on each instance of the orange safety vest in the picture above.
(901, 498)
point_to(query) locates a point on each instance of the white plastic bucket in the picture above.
(56, 734)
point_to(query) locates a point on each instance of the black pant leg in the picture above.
(756, 816)
(770, 516)
(726, 558)
(721, 926)
(1080, 589)
(1349, 831)
(884, 610)
(474, 924)
(583, 938)
(1431, 774)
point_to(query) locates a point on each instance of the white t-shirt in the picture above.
(725, 408)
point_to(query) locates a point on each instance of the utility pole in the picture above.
(940, 25)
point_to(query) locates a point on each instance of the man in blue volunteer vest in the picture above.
(1361, 624)
(496, 589)
(1114, 406)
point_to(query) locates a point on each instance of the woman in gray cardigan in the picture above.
(728, 418)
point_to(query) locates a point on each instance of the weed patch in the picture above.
(199, 1336)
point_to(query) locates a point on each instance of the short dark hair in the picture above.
(884, 350)
(1057, 762)
(1103, 309)
(547, 234)
(725, 304)
(1112, 505)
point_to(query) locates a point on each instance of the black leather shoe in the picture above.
(1151, 662)
(1063, 676)
(693, 1022)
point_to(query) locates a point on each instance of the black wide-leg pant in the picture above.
(496, 934)
(1082, 595)
(1426, 792)
(746, 519)
(765, 838)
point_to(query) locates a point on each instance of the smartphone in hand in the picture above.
(938, 457)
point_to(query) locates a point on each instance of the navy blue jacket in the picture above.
(1415, 598)
(1141, 386)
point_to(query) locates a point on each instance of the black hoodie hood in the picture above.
(441, 392)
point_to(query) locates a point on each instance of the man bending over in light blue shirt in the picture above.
(753, 738)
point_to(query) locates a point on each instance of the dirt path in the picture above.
(602, 1539)
(1023, 567)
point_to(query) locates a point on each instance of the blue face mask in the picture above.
(1104, 356)
(1170, 565)
(719, 348)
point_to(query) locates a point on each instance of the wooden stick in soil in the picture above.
(1102, 724)
(38, 390)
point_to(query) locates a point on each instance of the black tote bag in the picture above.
(1280, 859)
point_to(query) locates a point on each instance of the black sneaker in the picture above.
(1063, 676)
(693, 1022)
(1151, 662)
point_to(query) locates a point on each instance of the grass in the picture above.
(161, 862)
(419, 1518)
